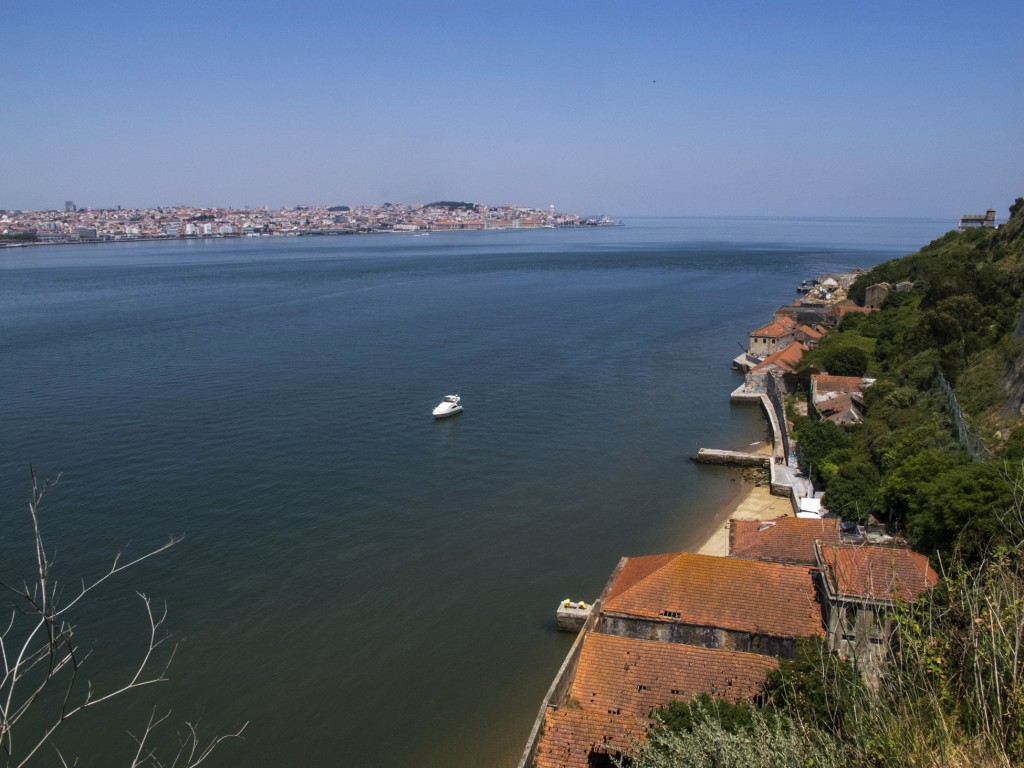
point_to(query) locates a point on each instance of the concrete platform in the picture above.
(731, 458)
(745, 362)
(744, 395)
(572, 615)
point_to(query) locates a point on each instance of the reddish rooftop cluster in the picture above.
(768, 587)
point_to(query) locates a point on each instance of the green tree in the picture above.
(846, 361)
(816, 687)
(1013, 448)
(854, 493)
(945, 501)
(817, 440)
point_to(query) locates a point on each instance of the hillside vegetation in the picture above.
(907, 464)
(953, 692)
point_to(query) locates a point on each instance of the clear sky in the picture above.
(676, 108)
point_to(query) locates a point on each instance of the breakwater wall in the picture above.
(731, 458)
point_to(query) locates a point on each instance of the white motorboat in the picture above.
(448, 407)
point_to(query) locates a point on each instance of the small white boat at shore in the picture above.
(448, 407)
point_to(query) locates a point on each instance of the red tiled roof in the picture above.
(821, 382)
(776, 328)
(619, 675)
(811, 333)
(785, 540)
(785, 358)
(636, 569)
(730, 593)
(844, 307)
(838, 408)
(569, 736)
(876, 573)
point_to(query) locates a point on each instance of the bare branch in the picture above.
(116, 567)
(45, 654)
(143, 754)
(191, 751)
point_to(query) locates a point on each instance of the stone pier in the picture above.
(731, 458)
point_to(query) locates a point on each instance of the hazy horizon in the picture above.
(661, 109)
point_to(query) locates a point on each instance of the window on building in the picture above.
(850, 618)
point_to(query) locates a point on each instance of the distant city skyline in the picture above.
(793, 109)
(77, 225)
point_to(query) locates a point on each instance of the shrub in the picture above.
(846, 361)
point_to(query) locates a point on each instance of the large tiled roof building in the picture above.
(771, 337)
(716, 602)
(675, 626)
(618, 684)
(620, 674)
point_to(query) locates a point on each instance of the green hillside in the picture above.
(907, 464)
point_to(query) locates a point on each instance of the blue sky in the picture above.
(667, 108)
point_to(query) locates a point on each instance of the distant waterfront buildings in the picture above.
(75, 225)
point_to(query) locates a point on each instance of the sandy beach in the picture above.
(751, 502)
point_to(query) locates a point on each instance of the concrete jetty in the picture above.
(731, 458)
(572, 615)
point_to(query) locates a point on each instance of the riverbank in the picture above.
(752, 501)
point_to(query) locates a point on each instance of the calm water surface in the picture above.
(356, 579)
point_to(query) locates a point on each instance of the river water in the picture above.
(356, 579)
